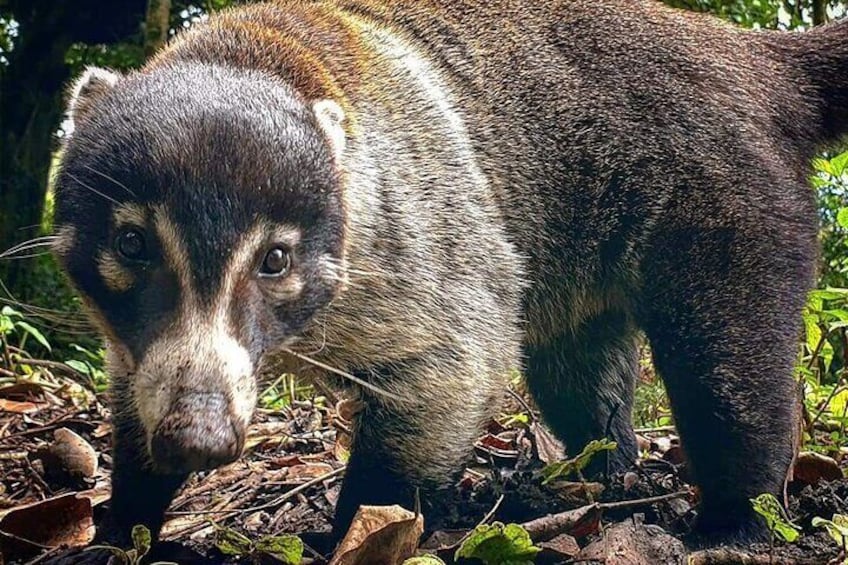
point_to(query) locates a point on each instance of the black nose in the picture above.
(197, 433)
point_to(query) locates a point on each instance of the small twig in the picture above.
(24, 540)
(37, 478)
(273, 504)
(46, 428)
(642, 501)
(353, 378)
(6, 356)
(836, 390)
(513, 393)
(655, 430)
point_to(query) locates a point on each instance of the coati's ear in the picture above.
(330, 117)
(93, 83)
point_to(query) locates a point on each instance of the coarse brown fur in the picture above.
(513, 185)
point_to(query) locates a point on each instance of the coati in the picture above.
(430, 194)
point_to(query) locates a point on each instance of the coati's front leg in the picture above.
(422, 442)
(139, 495)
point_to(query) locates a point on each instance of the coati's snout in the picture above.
(200, 215)
(198, 432)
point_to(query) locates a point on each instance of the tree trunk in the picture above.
(30, 112)
(819, 12)
(156, 23)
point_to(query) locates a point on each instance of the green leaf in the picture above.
(767, 506)
(10, 312)
(93, 356)
(837, 528)
(6, 325)
(842, 217)
(80, 366)
(562, 469)
(424, 560)
(141, 539)
(39, 337)
(839, 164)
(823, 165)
(230, 542)
(499, 544)
(286, 548)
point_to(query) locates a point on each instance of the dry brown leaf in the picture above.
(562, 548)
(19, 407)
(632, 543)
(23, 390)
(810, 468)
(577, 523)
(64, 520)
(347, 409)
(303, 473)
(380, 535)
(103, 429)
(549, 447)
(285, 461)
(493, 441)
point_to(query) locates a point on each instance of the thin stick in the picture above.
(274, 503)
(361, 382)
(642, 501)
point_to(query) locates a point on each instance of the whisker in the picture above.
(94, 190)
(107, 177)
(28, 256)
(70, 322)
(44, 240)
(361, 382)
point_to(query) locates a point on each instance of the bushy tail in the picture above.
(819, 57)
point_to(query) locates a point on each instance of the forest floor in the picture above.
(55, 467)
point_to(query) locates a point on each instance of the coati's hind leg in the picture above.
(424, 442)
(583, 383)
(724, 338)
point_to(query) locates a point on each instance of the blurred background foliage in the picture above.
(44, 43)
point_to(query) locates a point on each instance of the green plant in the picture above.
(424, 560)
(14, 326)
(767, 506)
(286, 549)
(285, 390)
(90, 365)
(837, 527)
(562, 469)
(498, 544)
(141, 539)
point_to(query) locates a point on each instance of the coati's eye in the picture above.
(130, 244)
(276, 263)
